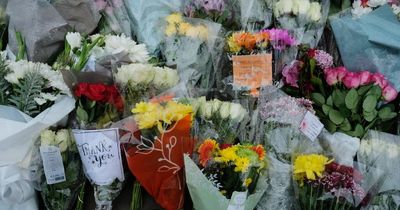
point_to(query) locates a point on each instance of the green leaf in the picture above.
(318, 98)
(336, 117)
(375, 90)
(352, 99)
(364, 89)
(338, 98)
(329, 125)
(359, 131)
(345, 126)
(82, 114)
(370, 116)
(386, 113)
(329, 101)
(326, 109)
(345, 111)
(370, 103)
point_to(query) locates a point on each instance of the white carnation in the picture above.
(376, 3)
(116, 44)
(314, 13)
(47, 137)
(74, 39)
(359, 10)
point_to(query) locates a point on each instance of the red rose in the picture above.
(80, 89)
(96, 92)
(114, 98)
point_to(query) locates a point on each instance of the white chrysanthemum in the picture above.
(139, 54)
(74, 39)
(135, 74)
(376, 3)
(314, 13)
(47, 137)
(301, 7)
(225, 110)
(359, 10)
(54, 78)
(18, 71)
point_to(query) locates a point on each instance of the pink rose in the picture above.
(365, 77)
(379, 80)
(291, 73)
(389, 93)
(335, 75)
(351, 80)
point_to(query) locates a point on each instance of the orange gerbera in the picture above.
(206, 150)
(259, 149)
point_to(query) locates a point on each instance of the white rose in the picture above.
(198, 103)
(74, 39)
(225, 110)
(237, 112)
(376, 3)
(160, 77)
(206, 110)
(62, 139)
(314, 13)
(47, 137)
(216, 104)
(300, 7)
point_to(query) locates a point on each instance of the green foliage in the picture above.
(5, 86)
(25, 92)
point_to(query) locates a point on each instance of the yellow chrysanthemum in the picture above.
(227, 155)
(242, 164)
(144, 107)
(174, 18)
(170, 30)
(176, 111)
(147, 120)
(183, 28)
(309, 166)
(233, 45)
(247, 182)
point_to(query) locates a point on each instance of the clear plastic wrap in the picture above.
(381, 150)
(305, 18)
(255, 14)
(376, 48)
(192, 45)
(145, 16)
(115, 17)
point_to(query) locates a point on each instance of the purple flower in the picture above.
(280, 38)
(210, 5)
(324, 59)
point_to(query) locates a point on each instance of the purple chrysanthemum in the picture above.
(281, 38)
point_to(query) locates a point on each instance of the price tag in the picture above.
(52, 164)
(311, 126)
(238, 201)
(100, 154)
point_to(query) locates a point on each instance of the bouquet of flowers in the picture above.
(89, 54)
(63, 177)
(218, 119)
(325, 184)
(231, 177)
(350, 102)
(163, 137)
(256, 49)
(98, 106)
(30, 87)
(139, 81)
(186, 39)
(381, 150)
(306, 18)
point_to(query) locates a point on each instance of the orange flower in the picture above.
(206, 150)
(262, 37)
(259, 149)
(250, 42)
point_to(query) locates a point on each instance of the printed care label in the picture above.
(311, 126)
(252, 71)
(52, 164)
(238, 201)
(100, 154)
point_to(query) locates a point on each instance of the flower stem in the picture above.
(136, 202)
(81, 195)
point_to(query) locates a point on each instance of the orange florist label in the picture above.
(252, 71)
